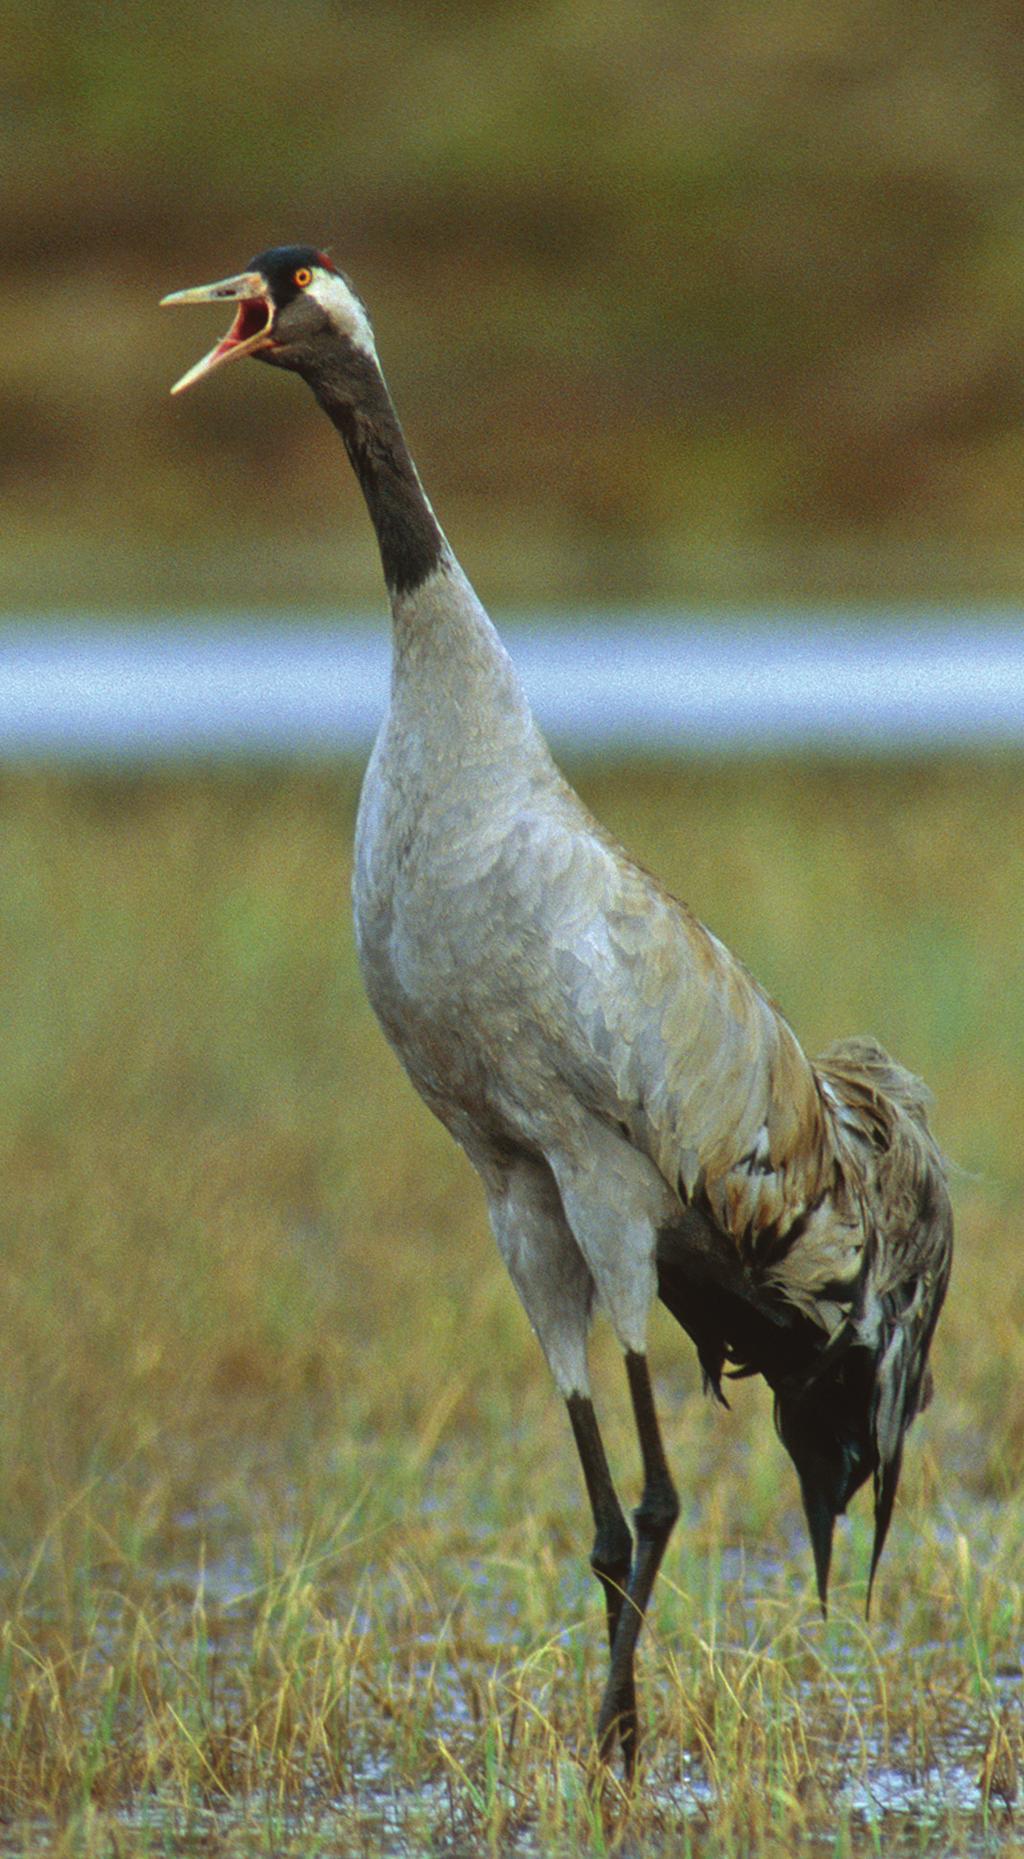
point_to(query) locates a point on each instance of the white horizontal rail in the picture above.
(624, 682)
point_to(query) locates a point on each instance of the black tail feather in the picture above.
(887, 1477)
(843, 1401)
(821, 1520)
(825, 1436)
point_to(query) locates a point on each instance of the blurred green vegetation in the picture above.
(687, 302)
(218, 1176)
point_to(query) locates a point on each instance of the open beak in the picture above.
(249, 331)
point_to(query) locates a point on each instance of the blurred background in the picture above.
(680, 303)
(692, 311)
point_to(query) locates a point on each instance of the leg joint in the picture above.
(658, 1509)
(612, 1553)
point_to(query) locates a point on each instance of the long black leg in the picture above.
(612, 1555)
(654, 1519)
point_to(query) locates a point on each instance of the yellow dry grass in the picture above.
(292, 1544)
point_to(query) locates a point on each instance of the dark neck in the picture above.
(353, 393)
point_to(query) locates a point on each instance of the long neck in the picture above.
(353, 393)
(449, 664)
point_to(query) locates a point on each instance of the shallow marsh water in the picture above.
(441, 1646)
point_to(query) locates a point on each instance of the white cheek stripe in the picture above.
(344, 309)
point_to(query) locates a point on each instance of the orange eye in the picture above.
(303, 276)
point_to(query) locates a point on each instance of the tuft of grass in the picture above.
(292, 1541)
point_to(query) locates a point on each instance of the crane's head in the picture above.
(290, 302)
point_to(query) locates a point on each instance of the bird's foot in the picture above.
(617, 1725)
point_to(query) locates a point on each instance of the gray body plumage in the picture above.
(640, 1112)
(609, 1067)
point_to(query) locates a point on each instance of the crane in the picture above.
(643, 1119)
